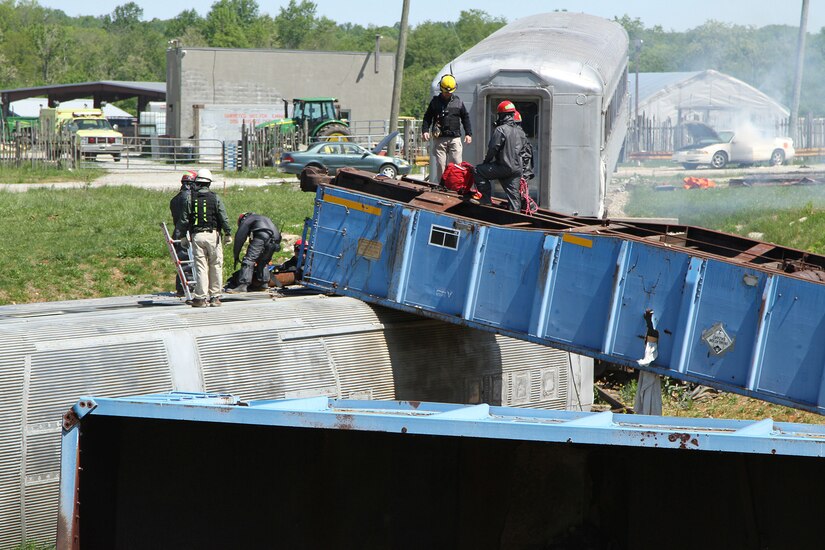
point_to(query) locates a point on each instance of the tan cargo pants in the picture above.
(445, 150)
(208, 264)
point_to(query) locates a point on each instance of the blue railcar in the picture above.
(211, 471)
(732, 313)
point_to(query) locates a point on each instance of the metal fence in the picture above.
(650, 137)
(257, 147)
(141, 152)
(263, 146)
(161, 152)
(34, 148)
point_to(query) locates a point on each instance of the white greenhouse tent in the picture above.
(717, 99)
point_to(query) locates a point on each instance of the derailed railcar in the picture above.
(209, 471)
(567, 75)
(295, 346)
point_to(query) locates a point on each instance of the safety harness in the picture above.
(204, 207)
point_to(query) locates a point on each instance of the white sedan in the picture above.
(717, 150)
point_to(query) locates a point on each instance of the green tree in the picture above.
(184, 22)
(295, 22)
(127, 16)
(474, 25)
(227, 23)
(50, 45)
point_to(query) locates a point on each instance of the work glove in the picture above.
(227, 239)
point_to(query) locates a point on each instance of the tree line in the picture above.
(40, 46)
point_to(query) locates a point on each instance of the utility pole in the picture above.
(800, 63)
(399, 73)
(637, 46)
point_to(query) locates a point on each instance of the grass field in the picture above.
(791, 216)
(95, 242)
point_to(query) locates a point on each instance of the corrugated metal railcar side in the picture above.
(291, 347)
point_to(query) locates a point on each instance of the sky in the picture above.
(672, 15)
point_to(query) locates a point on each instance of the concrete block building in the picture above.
(212, 91)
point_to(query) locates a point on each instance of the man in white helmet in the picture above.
(445, 116)
(205, 218)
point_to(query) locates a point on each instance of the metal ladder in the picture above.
(187, 283)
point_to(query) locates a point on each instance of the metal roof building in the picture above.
(30, 107)
(100, 91)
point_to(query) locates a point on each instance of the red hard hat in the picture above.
(298, 243)
(506, 106)
(188, 177)
(517, 117)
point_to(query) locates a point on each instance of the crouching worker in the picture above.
(264, 240)
(503, 159)
(177, 206)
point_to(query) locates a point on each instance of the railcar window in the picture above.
(613, 108)
(444, 237)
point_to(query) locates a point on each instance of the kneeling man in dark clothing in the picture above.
(264, 240)
(503, 159)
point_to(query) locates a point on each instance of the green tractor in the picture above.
(19, 128)
(318, 116)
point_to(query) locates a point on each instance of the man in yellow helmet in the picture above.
(442, 122)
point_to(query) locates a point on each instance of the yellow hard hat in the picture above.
(448, 84)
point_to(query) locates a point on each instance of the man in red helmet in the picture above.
(177, 206)
(503, 159)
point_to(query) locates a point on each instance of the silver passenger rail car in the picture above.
(567, 75)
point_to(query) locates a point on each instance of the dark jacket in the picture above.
(177, 206)
(218, 213)
(255, 226)
(448, 115)
(506, 145)
(526, 157)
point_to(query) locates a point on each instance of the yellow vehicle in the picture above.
(91, 132)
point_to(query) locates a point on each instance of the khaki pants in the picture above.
(445, 150)
(208, 264)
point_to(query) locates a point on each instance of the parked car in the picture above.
(333, 155)
(717, 150)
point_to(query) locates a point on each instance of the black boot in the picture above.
(237, 290)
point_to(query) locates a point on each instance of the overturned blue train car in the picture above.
(729, 312)
(210, 471)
